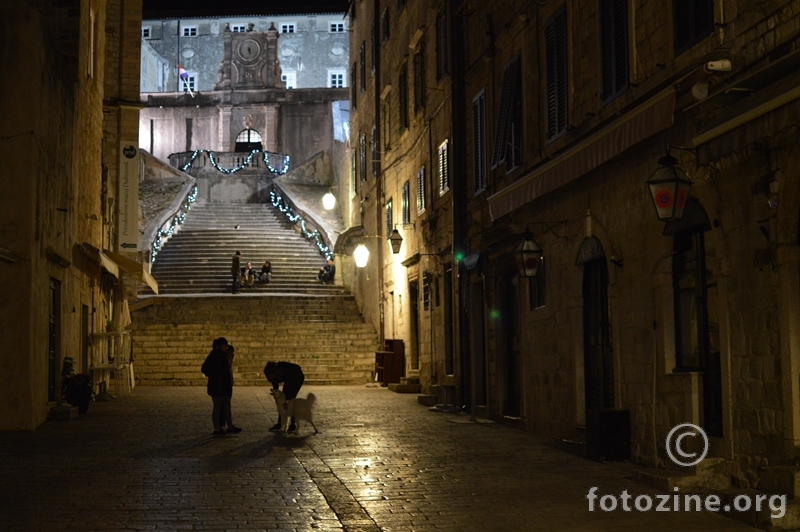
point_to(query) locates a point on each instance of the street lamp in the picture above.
(328, 201)
(669, 187)
(361, 255)
(396, 241)
(528, 256)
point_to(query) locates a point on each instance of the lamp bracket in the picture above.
(549, 225)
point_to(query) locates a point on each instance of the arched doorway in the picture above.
(248, 140)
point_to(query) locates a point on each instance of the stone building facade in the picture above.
(556, 113)
(313, 49)
(67, 114)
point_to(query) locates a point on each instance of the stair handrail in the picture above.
(287, 207)
(168, 227)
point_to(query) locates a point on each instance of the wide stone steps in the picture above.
(197, 258)
(324, 334)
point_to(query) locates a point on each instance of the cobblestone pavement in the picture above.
(380, 462)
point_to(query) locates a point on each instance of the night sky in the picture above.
(197, 8)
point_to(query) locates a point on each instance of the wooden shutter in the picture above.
(479, 140)
(555, 35)
(693, 21)
(419, 78)
(406, 204)
(614, 47)
(421, 195)
(389, 218)
(444, 169)
(508, 96)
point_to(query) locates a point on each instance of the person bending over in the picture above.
(291, 375)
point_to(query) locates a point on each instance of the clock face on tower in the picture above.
(249, 50)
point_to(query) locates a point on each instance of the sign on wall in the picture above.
(128, 198)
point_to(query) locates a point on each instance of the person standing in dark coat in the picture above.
(220, 386)
(236, 272)
(292, 377)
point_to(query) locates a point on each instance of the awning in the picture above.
(134, 268)
(471, 261)
(100, 258)
(643, 122)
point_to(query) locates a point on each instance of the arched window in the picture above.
(248, 140)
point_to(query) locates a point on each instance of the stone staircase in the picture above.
(325, 334)
(197, 259)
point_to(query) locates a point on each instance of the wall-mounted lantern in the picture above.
(669, 187)
(328, 201)
(528, 256)
(396, 241)
(361, 255)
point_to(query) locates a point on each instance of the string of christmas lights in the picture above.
(176, 220)
(314, 235)
(266, 156)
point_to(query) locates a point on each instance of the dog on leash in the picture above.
(298, 408)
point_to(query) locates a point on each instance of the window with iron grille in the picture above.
(353, 89)
(353, 164)
(146, 33)
(555, 37)
(389, 219)
(536, 288)
(422, 196)
(406, 204)
(508, 130)
(288, 28)
(337, 27)
(402, 97)
(479, 140)
(419, 77)
(614, 47)
(693, 21)
(362, 64)
(374, 153)
(238, 28)
(441, 45)
(362, 153)
(444, 168)
(190, 31)
(385, 26)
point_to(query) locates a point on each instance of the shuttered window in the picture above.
(385, 26)
(509, 100)
(406, 204)
(419, 78)
(362, 155)
(374, 152)
(479, 140)
(614, 47)
(372, 47)
(385, 117)
(389, 218)
(402, 97)
(354, 86)
(353, 165)
(444, 168)
(555, 36)
(422, 201)
(362, 64)
(693, 20)
(441, 45)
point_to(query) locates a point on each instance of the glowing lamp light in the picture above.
(328, 201)
(669, 187)
(361, 255)
(528, 256)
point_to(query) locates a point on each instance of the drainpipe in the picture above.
(378, 174)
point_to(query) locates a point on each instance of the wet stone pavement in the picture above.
(380, 462)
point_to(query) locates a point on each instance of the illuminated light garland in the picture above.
(314, 235)
(264, 155)
(177, 220)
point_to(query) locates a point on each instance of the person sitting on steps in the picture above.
(327, 272)
(266, 272)
(248, 275)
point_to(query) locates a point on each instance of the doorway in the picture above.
(413, 296)
(477, 329)
(509, 336)
(597, 352)
(53, 338)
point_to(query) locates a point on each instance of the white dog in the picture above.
(298, 408)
